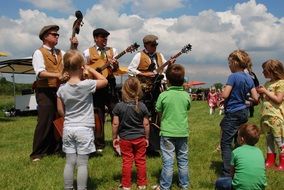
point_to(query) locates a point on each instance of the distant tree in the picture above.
(218, 85)
(6, 87)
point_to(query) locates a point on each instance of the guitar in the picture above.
(102, 69)
(149, 84)
(76, 27)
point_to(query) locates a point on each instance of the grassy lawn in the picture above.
(19, 173)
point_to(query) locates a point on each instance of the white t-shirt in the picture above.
(78, 102)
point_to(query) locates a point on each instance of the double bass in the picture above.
(59, 121)
(76, 27)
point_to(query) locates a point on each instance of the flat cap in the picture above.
(149, 38)
(99, 31)
(45, 29)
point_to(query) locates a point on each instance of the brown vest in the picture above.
(145, 61)
(96, 60)
(51, 65)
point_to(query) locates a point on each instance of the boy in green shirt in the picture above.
(247, 164)
(173, 105)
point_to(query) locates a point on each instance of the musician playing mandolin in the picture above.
(48, 66)
(143, 65)
(98, 57)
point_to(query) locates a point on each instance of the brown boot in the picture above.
(280, 167)
(270, 160)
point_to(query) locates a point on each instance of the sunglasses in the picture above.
(154, 44)
(54, 34)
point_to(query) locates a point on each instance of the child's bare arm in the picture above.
(115, 124)
(60, 107)
(226, 92)
(147, 128)
(254, 96)
(275, 97)
(101, 80)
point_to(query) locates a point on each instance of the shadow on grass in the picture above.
(217, 167)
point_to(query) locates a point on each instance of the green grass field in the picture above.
(17, 172)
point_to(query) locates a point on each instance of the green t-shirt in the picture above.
(174, 104)
(249, 167)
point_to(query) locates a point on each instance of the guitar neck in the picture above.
(160, 69)
(120, 54)
(116, 57)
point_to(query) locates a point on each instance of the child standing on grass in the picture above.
(130, 129)
(272, 111)
(247, 164)
(238, 85)
(212, 100)
(75, 103)
(173, 105)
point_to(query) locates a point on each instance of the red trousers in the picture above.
(133, 150)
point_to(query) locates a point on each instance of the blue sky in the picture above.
(193, 7)
(214, 28)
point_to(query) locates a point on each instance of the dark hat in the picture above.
(45, 29)
(149, 38)
(100, 31)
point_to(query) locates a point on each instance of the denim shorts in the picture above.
(78, 140)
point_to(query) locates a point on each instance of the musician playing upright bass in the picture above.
(47, 64)
(97, 57)
(143, 65)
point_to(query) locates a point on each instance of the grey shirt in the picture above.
(78, 102)
(130, 121)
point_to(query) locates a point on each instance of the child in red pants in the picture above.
(130, 130)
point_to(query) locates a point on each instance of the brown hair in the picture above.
(132, 91)
(239, 59)
(250, 133)
(175, 74)
(274, 67)
(73, 60)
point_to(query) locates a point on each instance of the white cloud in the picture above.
(213, 35)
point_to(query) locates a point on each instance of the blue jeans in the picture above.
(223, 183)
(169, 147)
(230, 125)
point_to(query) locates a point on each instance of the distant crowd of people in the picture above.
(81, 88)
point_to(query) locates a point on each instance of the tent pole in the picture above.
(14, 89)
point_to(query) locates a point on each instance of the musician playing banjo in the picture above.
(97, 57)
(143, 66)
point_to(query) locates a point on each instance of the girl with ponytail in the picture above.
(130, 131)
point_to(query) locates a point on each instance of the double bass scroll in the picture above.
(76, 27)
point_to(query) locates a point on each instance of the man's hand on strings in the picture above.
(114, 63)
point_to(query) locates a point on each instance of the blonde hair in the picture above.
(239, 59)
(73, 60)
(132, 91)
(274, 67)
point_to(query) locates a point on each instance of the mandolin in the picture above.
(76, 27)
